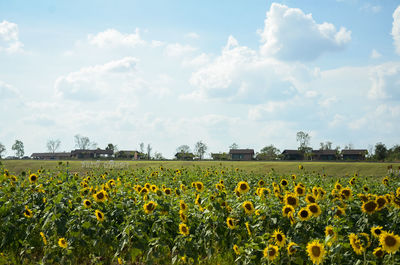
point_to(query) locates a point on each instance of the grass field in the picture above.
(280, 167)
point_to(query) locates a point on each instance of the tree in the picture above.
(269, 152)
(2, 149)
(200, 149)
(380, 151)
(348, 147)
(111, 147)
(234, 146)
(53, 145)
(304, 142)
(141, 145)
(83, 142)
(326, 146)
(183, 149)
(149, 148)
(158, 156)
(18, 147)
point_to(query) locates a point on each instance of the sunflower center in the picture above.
(316, 251)
(346, 193)
(279, 237)
(313, 209)
(287, 210)
(370, 206)
(243, 186)
(27, 212)
(381, 202)
(304, 214)
(284, 182)
(271, 252)
(311, 199)
(248, 206)
(330, 232)
(100, 196)
(390, 241)
(378, 231)
(150, 207)
(291, 201)
(184, 230)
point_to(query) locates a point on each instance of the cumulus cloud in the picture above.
(177, 49)
(385, 79)
(7, 91)
(375, 54)
(9, 39)
(113, 38)
(396, 29)
(197, 61)
(290, 34)
(92, 82)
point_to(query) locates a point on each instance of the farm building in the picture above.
(125, 154)
(90, 154)
(241, 154)
(354, 154)
(325, 155)
(292, 155)
(52, 156)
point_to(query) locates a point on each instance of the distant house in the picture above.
(91, 154)
(52, 156)
(125, 154)
(292, 155)
(220, 156)
(241, 154)
(354, 154)
(325, 155)
(184, 156)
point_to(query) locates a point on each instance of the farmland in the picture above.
(198, 213)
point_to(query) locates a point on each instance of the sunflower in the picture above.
(243, 187)
(396, 202)
(291, 199)
(378, 252)
(398, 191)
(381, 201)
(100, 196)
(287, 209)
(366, 242)
(199, 186)
(149, 207)
(144, 191)
(385, 181)
(271, 252)
(340, 211)
(300, 190)
(346, 193)
(168, 191)
(314, 209)
(321, 193)
(365, 188)
(279, 238)
(230, 222)
(28, 213)
(183, 229)
(316, 251)
(62, 242)
(356, 244)
(261, 183)
(99, 215)
(389, 242)
(183, 216)
(363, 197)
(87, 203)
(292, 248)
(248, 207)
(352, 181)
(284, 182)
(369, 207)
(183, 206)
(236, 249)
(376, 231)
(304, 214)
(248, 228)
(338, 186)
(33, 178)
(310, 198)
(330, 232)
(43, 238)
(301, 167)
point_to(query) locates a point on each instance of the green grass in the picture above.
(281, 167)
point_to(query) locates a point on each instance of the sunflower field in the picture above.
(197, 216)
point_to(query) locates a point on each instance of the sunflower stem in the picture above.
(365, 261)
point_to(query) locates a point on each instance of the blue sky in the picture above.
(174, 72)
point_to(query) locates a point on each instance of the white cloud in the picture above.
(197, 61)
(290, 34)
(7, 91)
(9, 39)
(396, 29)
(385, 80)
(177, 49)
(375, 54)
(368, 7)
(90, 83)
(114, 38)
(192, 35)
